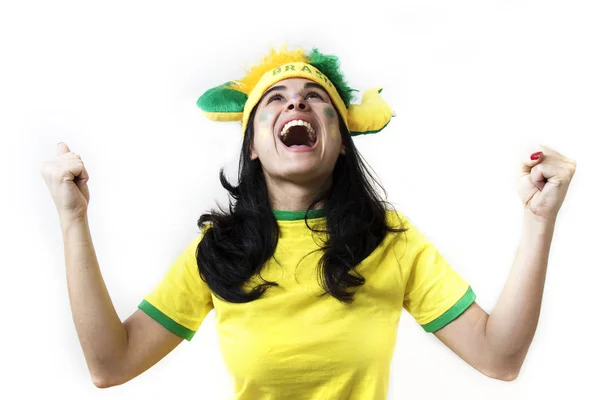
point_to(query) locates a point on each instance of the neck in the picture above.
(295, 196)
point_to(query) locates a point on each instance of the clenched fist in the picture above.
(66, 178)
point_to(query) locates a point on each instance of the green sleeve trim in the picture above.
(450, 315)
(166, 321)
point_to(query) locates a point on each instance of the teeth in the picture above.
(296, 122)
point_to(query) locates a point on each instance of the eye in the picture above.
(275, 97)
(314, 94)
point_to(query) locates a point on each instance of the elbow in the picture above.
(104, 381)
(101, 382)
(506, 374)
(504, 368)
(106, 374)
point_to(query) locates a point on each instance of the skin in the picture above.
(294, 179)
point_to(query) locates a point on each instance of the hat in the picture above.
(235, 100)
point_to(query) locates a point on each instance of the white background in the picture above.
(476, 86)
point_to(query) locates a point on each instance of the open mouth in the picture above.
(298, 133)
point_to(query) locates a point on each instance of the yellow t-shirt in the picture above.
(292, 344)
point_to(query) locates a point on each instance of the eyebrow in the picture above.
(314, 85)
(306, 86)
(279, 87)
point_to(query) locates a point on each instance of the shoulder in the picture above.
(396, 219)
(193, 244)
(408, 234)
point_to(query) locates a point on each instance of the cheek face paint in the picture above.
(333, 130)
(264, 116)
(263, 133)
(263, 128)
(329, 112)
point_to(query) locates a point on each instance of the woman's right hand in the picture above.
(66, 178)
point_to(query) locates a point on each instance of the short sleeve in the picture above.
(434, 293)
(181, 300)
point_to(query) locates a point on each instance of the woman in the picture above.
(308, 271)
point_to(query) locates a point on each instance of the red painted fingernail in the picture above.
(537, 155)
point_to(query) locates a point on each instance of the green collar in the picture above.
(284, 215)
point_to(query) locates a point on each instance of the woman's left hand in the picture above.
(542, 184)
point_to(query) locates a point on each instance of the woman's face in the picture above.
(296, 131)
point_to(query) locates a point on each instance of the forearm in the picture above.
(101, 333)
(511, 326)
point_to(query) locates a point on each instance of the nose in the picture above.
(297, 103)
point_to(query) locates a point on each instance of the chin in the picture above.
(300, 173)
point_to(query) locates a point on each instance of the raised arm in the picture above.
(115, 352)
(497, 344)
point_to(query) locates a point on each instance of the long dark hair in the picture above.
(238, 242)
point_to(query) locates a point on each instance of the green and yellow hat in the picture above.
(235, 100)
